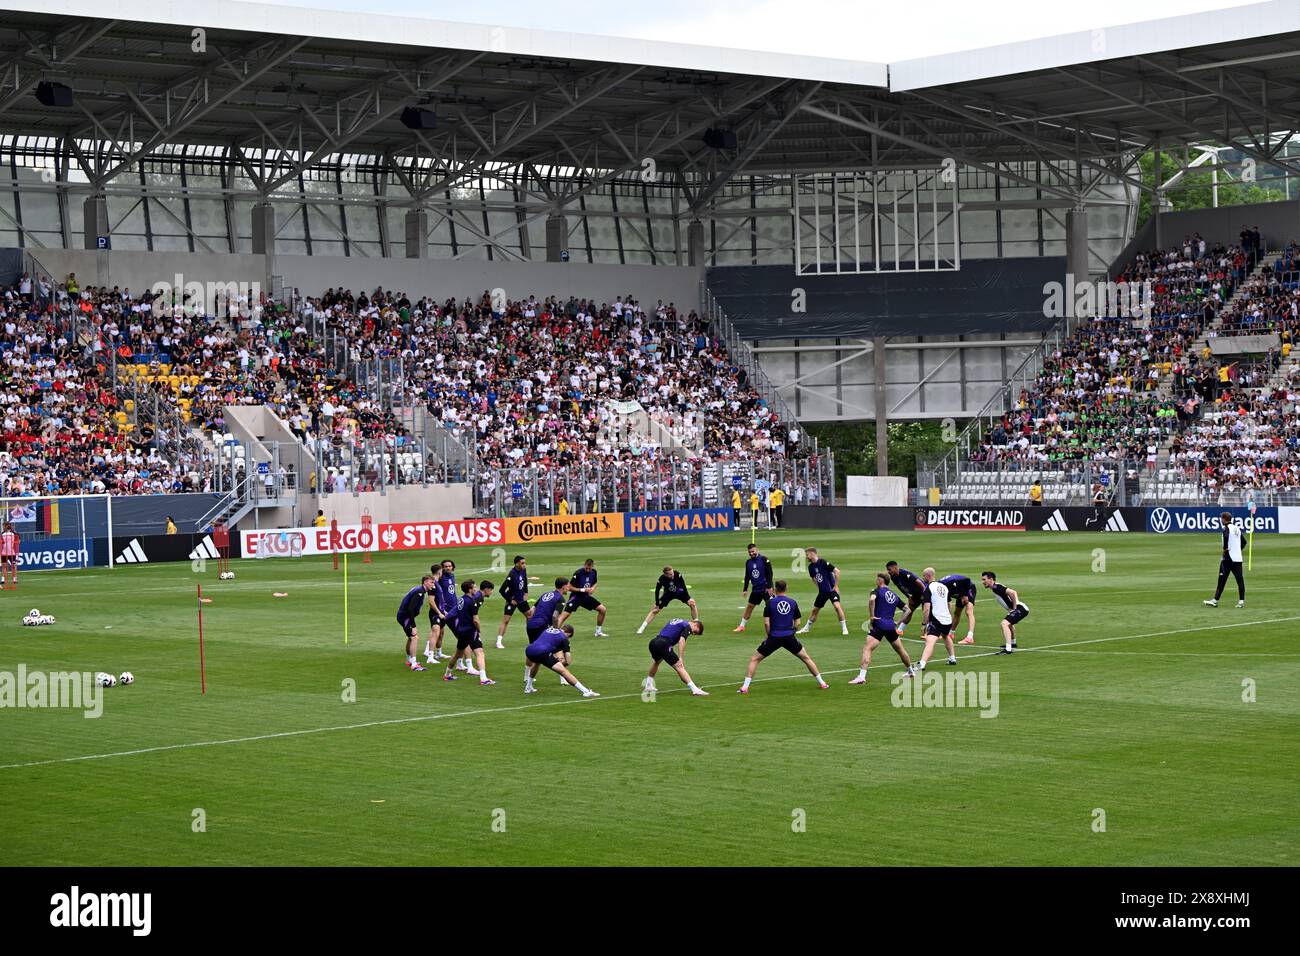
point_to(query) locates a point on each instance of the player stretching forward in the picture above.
(443, 603)
(664, 647)
(936, 618)
(515, 591)
(541, 653)
(582, 588)
(883, 604)
(758, 582)
(913, 589)
(408, 611)
(827, 577)
(670, 587)
(1009, 598)
(462, 621)
(780, 620)
(962, 590)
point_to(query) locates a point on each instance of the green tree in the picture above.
(1195, 188)
(854, 445)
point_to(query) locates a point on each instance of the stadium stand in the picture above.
(1147, 403)
(530, 383)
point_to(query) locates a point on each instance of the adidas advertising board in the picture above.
(1087, 519)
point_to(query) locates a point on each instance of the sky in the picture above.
(882, 32)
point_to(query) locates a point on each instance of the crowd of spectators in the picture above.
(1122, 386)
(527, 383)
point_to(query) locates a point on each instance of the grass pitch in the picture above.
(1126, 699)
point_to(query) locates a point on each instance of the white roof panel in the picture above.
(420, 32)
(1105, 43)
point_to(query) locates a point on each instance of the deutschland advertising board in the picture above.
(969, 519)
(1205, 520)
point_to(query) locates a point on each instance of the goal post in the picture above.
(57, 531)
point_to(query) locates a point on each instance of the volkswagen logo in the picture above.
(783, 607)
(1160, 520)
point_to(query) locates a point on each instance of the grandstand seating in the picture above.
(1148, 400)
(526, 383)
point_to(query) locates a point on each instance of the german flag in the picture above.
(49, 518)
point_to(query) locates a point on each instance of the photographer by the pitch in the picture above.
(1231, 561)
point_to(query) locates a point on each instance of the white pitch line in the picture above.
(576, 700)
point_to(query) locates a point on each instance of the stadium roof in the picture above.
(308, 86)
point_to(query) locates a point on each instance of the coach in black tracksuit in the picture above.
(1231, 561)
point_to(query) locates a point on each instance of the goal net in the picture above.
(60, 531)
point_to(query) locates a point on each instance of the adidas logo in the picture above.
(1056, 522)
(205, 549)
(133, 554)
(1116, 523)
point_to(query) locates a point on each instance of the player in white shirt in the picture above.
(936, 618)
(1230, 563)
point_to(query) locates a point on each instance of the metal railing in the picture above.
(646, 484)
(1007, 481)
(744, 357)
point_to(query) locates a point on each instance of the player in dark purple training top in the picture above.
(780, 621)
(444, 599)
(884, 604)
(548, 606)
(827, 578)
(667, 647)
(758, 582)
(462, 621)
(542, 653)
(962, 590)
(515, 590)
(912, 588)
(582, 594)
(408, 613)
(479, 595)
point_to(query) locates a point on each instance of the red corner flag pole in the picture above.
(203, 680)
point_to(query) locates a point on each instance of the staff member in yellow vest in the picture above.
(1036, 494)
(777, 501)
(755, 503)
(564, 506)
(735, 509)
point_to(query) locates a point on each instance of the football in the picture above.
(126, 678)
(34, 612)
(105, 680)
(227, 575)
